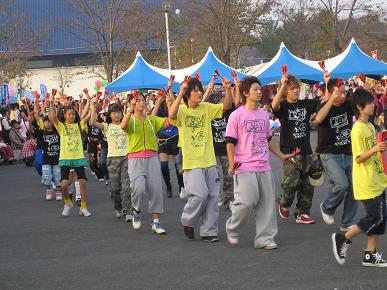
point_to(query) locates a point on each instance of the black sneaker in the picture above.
(189, 232)
(373, 259)
(210, 239)
(340, 247)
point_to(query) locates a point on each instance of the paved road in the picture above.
(39, 249)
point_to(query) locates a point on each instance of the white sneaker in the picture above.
(118, 213)
(67, 209)
(346, 229)
(84, 212)
(157, 229)
(328, 219)
(136, 222)
(183, 193)
(48, 194)
(271, 246)
(58, 195)
(233, 240)
(128, 218)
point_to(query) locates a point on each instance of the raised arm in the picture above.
(125, 120)
(227, 103)
(280, 94)
(207, 92)
(52, 114)
(324, 111)
(175, 106)
(83, 112)
(93, 119)
(237, 96)
(157, 106)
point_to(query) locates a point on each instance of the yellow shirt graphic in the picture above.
(369, 180)
(70, 140)
(117, 140)
(195, 134)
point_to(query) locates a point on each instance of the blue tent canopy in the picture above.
(305, 70)
(140, 75)
(354, 61)
(207, 66)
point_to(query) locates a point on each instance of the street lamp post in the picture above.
(166, 9)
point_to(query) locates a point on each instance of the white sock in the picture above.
(156, 221)
(77, 190)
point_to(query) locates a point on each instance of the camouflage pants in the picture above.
(226, 181)
(119, 183)
(296, 181)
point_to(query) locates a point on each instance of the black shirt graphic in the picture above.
(218, 127)
(295, 129)
(334, 133)
(50, 145)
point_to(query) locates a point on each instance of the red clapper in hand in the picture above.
(53, 92)
(339, 83)
(99, 94)
(172, 78)
(197, 75)
(382, 137)
(234, 74)
(284, 69)
(187, 79)
(218, 74)
(321, 63)
(86, 91)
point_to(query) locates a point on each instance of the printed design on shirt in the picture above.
(257, 128)
(370, 142)
(300, 130)
(198, 138)
(119, 138)
(195, 122)
(298, 115)
(73, 138)
(342, 137)
(52, 144)
(95, 131)
(220, 130)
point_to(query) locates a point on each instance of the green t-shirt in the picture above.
(70, 140)
(142, 136)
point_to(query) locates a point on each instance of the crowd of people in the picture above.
(219, 141)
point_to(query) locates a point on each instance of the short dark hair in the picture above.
(293, 81)
(332, 83)
(113, 108)
(361, 98)
(245, 86)
(192, 84)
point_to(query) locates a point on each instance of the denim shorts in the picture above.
(51, 173)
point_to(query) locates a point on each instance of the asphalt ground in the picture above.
(39, 249)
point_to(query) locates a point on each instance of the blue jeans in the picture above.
(51, 173)
(338, 169)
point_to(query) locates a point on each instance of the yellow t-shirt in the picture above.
(368, 178)
(195, 134)
(117, 140)
(70, 140)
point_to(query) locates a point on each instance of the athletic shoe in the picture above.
(128, 218)
(84, 212)
(101, 180)
(373, 259)
(346, 229)
(189, 232)
(340, 247)
(58, 195)
(328, 219)
(283, 212)
(183, 193)
(271, 246)
(233, 240)
(157, 229)
(136, 222)
(67, 209)
(48, 194)
(78, 201)
(220, 203)
(210, 239)
(304, 219)
(118, 213)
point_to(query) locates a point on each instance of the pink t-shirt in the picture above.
(251, 128)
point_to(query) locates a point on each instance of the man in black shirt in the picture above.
(294, 115)
(334, 145)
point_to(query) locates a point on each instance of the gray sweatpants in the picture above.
(254, 192)
(203, 186)
(145, 177)
(119, 183)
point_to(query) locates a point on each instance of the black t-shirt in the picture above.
(49, 141)
(94, 132)
(334, 133)
(219, 133)
(295, 129)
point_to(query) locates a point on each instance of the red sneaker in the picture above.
(304, 219)
(283, 212)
